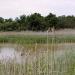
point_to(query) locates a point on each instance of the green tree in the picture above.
(51, 20)
(36, 22)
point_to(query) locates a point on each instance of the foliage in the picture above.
(36, 22)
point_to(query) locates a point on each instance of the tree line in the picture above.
(37, 22)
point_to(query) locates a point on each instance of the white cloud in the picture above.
(14, 8)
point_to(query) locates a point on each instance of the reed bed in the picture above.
(53, 57)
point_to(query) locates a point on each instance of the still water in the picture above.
(9, 54)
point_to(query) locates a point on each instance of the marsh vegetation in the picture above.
(37, 54)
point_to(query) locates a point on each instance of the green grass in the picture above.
(35, 39)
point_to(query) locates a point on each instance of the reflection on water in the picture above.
(8, 53)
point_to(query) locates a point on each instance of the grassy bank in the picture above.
(31, 39)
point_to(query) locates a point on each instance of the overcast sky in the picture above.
(14, 8)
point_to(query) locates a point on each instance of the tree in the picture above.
(51, 20)
(35, 22)
(1, 20)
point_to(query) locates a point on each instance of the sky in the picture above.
(15, 8)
